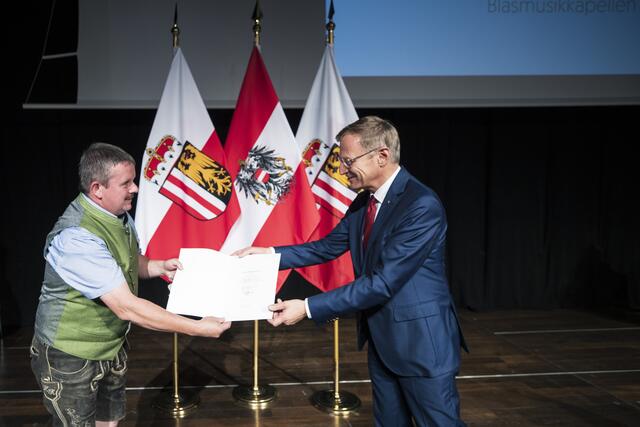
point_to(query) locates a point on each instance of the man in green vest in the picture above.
(89, 296)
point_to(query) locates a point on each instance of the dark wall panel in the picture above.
(541, 202)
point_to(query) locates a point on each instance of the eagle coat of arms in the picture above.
(264, 176)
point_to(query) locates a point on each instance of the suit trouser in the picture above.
(396, 400)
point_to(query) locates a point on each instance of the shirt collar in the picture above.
(381, 193)
(88, 199)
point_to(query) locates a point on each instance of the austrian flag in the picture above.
(277, 206)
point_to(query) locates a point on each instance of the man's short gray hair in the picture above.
(97, 161)
(374, 132)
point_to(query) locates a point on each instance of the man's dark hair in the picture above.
(97, 161)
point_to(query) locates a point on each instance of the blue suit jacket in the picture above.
(400, 290)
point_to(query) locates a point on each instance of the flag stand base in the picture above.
(177, 405)
(259, 397)
(341, 403)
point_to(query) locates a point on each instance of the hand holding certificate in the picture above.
(214, 284)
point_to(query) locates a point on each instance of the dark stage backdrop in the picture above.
(542, 203)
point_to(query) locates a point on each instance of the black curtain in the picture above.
(541, 202)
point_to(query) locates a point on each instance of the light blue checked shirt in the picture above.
(83, 260)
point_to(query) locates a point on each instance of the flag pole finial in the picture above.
(331, 26)
(175, 30)
(257, 27)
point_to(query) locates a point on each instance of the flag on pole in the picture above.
(327, 111)
(186, 196)
(277, 206)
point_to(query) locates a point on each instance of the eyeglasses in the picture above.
(349, 162)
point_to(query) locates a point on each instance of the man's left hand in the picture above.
(169, 267)
(287, 312)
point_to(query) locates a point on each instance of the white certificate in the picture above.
(215, 284)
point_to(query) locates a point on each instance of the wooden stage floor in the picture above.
(526, 368)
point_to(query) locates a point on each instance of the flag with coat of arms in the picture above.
(277, 206)
(327, 111)
(186, 197)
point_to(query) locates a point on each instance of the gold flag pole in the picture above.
(175, 403)
(256, 396)
(334, 401)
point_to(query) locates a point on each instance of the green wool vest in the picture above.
(66, 319)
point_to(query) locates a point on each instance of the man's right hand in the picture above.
(213, 326)
(251, 250)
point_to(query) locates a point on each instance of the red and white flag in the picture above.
(277, 206)
(186, 196)
(328, 110)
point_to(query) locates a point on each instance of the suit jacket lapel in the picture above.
(385, 209)
(356, 231)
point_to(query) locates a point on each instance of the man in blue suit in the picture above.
(395, 230)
